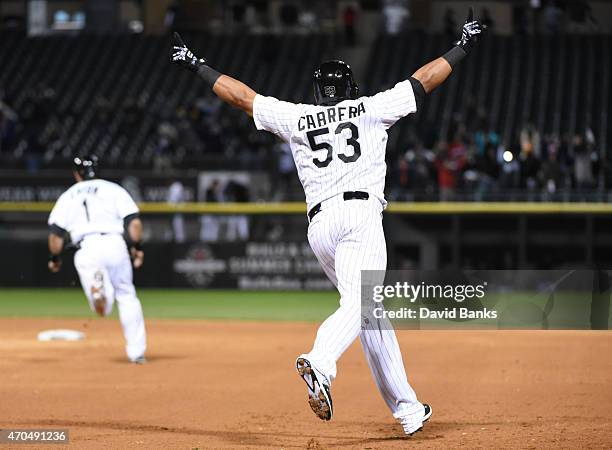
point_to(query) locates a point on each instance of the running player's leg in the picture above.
(364, 248)
(386, 364)
(381, 347)
(323, 237)
(95, 280)
(128, 304)
(355, 251)
(385, 360)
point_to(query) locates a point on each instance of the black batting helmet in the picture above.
(86, 166)
(333, 82)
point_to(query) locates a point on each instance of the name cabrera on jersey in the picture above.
(337, 148)
(92, 206)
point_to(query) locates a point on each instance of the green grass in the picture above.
(178, 304)
(517, 309)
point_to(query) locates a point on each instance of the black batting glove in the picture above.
(184, 57)
(470, 32)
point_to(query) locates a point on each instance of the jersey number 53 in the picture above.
(352, 141)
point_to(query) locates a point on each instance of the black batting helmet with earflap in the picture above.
(333, 82)
(86, 166)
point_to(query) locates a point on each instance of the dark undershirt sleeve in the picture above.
(127, 219)
(419, 92)
(57, 230)
(126, 223)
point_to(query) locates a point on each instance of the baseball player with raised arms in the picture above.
(96, 213)
(339, 146)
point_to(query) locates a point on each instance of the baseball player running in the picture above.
(95, 213)
(339, 148)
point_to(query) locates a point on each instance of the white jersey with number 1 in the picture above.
(92, 206)
(337, 148)
(93, 212)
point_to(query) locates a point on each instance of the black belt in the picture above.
(350, 195)
(78, 244)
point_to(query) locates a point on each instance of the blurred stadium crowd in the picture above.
(526, 120)
(473, 160)
(476, 165)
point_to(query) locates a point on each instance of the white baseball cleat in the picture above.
(411, 426)
(319, 394)
(97, 293)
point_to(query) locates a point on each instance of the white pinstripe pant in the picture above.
(347, 237)
(109, 254)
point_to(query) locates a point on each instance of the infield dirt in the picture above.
(233, 385)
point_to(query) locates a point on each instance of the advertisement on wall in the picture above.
(249, 266)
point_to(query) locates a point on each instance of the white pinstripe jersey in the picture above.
(337, 148)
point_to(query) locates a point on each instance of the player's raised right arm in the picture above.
(227, 88)
(433, 74)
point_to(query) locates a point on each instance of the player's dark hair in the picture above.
(333, 82)
(86, 166)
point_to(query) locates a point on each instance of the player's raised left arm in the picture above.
(433, 74)
(228, 89)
